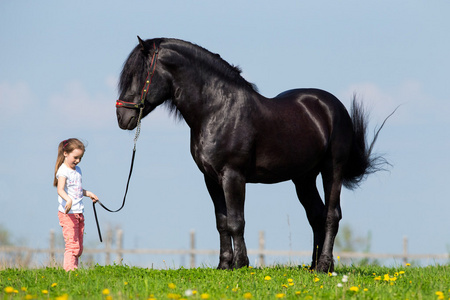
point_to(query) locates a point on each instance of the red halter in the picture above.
(148, 81)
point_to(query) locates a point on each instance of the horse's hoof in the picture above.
(224, 266)
(241, 263)
(325, 266)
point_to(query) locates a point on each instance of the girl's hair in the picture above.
(66, 146)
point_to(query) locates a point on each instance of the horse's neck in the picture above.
(201, 99)
(192, 97)
(200, 94)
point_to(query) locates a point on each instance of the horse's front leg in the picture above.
(233, 184)
(218, 198)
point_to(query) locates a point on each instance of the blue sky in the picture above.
(59, 68)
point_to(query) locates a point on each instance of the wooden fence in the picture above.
(13, 256)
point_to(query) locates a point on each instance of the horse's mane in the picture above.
(134, 64)
(207, 61)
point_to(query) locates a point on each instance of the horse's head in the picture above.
(143, 84)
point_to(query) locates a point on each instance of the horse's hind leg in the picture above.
(315, 211)
(332, 183)
(218, 198)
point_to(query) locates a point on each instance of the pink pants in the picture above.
(73, 230)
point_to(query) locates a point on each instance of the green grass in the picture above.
(123, 282)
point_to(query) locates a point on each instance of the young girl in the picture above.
(70, 196)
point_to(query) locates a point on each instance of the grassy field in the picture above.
(123, 282)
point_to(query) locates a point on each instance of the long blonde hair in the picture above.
(66, 146)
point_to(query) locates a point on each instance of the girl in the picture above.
(70, 196)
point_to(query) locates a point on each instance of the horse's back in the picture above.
(315, 105)
(295, 132)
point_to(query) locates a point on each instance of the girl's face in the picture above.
(73, 158)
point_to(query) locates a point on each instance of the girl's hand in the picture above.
(91, 195)
(68, 206)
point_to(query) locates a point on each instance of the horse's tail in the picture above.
(362, 162)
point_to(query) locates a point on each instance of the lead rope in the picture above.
(136, 136)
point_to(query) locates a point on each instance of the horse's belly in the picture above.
(278, 170)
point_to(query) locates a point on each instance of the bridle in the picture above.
(148, 81)
(131, 105)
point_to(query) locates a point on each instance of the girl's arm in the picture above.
(62, 193)
(90, 195)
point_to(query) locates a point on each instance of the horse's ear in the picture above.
(144, 47)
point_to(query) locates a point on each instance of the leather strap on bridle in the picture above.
(148, 81)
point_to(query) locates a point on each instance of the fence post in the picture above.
(119, 246)
(262, 243)
(405, 250)
(108, 247)
(192, 246)
(52, 248)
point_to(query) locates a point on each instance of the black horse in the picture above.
(238, 136)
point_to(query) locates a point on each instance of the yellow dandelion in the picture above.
(316, 279)
(204, 296)
(23, 289)
(173, 296)
(8, 289)
(62, 297)
(279, 296)
(105, 292)
(298, 293)
(354, 289)
(401, 272)
(194, 292)
(28, 297)
(45, 292)
(378, 278)
(290, 280)
(125, 283)
(171, 286)
(248, 296)
(54, 284)
(408, 265)
(386, 277)
(440, 295)
(267, 278)
(366, 289)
